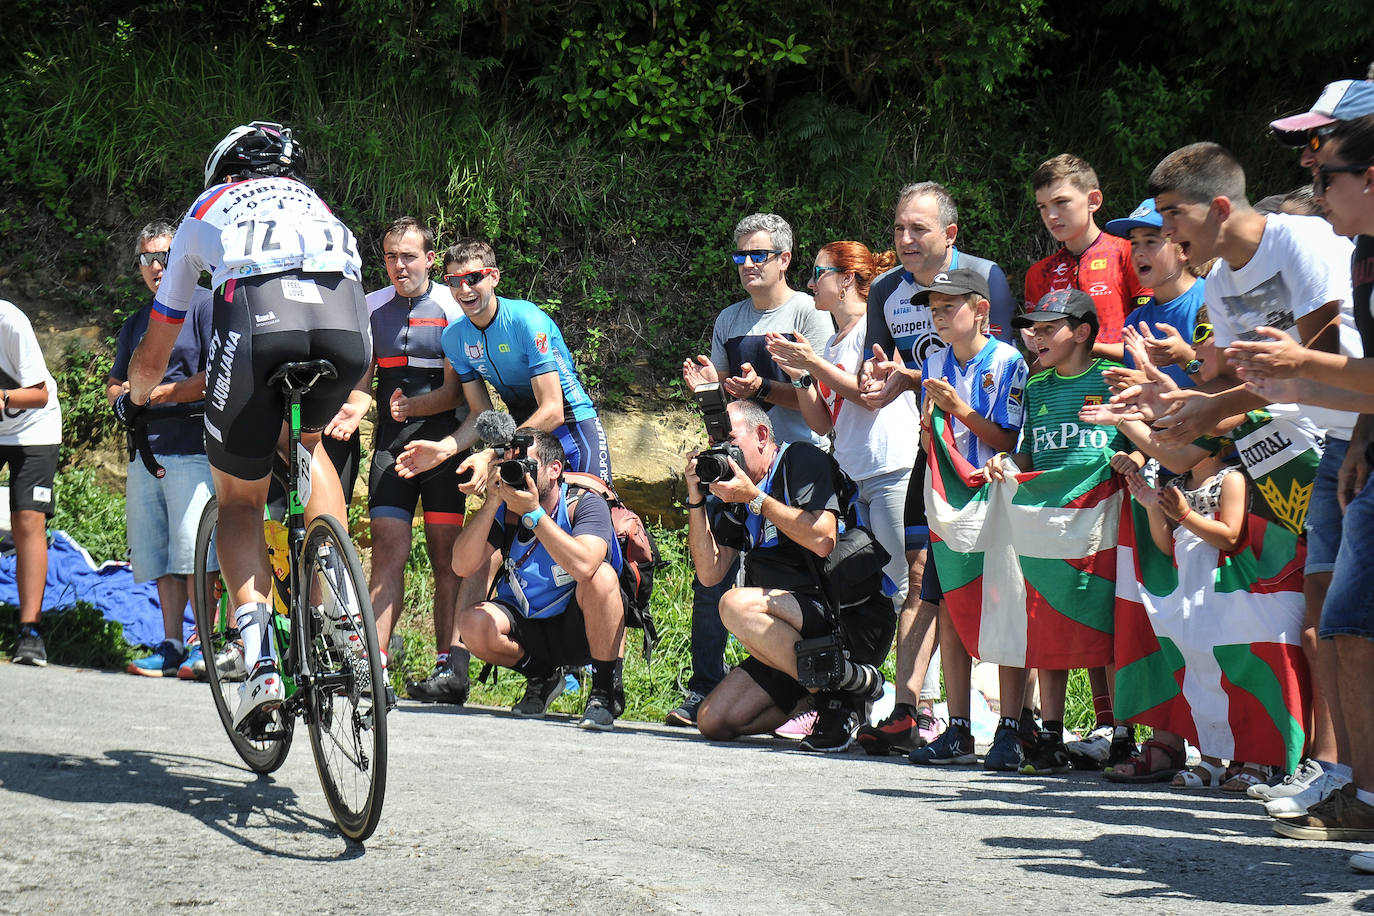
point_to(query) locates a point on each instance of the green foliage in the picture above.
(86, 414)
(78, 635)
(93, 515)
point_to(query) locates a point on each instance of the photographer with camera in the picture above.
(782, 513)
(556, 599)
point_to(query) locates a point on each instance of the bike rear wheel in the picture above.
(266, 749)
(341, 667)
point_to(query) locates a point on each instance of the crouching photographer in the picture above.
(813, 624)
(556, 598)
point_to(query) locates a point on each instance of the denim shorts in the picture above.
(1349, 607)
(163, 515)
(1324, 511)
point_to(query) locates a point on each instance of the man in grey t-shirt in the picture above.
(740, 361)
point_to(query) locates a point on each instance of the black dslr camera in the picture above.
(713, 464)
(513, 470)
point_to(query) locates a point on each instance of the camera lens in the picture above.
(711, 468)
(513, 472)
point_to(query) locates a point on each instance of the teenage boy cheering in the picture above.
(1291, 273)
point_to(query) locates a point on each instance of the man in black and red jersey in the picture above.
(418, 397)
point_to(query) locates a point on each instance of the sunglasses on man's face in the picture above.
(1201, 333)
(148, 258)
(755, 256)
(471, 278)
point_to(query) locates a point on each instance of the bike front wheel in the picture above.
(341, 667)
(265, 749)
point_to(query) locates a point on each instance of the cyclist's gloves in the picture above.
(126, 411)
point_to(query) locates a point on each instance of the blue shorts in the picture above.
(163, 516)
(1349, 607)
(1324, 511)
(930, 583)
(585, 444)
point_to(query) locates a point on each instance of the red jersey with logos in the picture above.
(1103, 271)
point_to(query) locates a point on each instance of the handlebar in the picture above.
(138, 436)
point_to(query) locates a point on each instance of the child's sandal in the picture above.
(1202, 775)
(1250, 775)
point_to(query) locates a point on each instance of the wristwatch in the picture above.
(803, 381)
(1193, 366)
(531, 519)
(756, 504)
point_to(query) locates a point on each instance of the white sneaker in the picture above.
(1097, 747)
(1308, 772)
(1363, 862)
(261, 693)
(1297, 805)
(229, 663)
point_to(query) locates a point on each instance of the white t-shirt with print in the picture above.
(1299, 266)
(22, 366)
(869, 442)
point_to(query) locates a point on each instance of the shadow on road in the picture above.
(1188, 865)
(254, 811)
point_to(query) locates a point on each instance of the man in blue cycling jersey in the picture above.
(514, 346)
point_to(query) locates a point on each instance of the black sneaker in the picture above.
(1123, 746)
(601, 712)
(1027, 727)
(443, 686)
(1047, 755)
(29, 650)
(685, 716)
(836, 722)
(899, 733)
(540, 692)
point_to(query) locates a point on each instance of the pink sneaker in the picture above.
(931, 727)
(797, 727)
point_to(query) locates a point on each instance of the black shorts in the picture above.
(554, 641)
(867, 630)
(260, 323)
(930, 583)
(914, 513)
(32, 470)
(390, 495)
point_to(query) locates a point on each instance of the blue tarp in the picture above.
(73, 577)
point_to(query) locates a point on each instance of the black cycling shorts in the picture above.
(389, 495)
(260, 323)
(867, 630)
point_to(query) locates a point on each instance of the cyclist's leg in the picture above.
(242, 553)
(391, 508)
(585, 444)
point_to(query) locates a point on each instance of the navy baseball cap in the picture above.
(1144, 216)
(1343, 100)
(1059, 303)
(954, 283)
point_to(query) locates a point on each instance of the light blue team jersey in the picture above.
(994, 385)
(520, 343)
(1180, 313)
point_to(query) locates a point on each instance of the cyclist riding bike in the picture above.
(285, 274)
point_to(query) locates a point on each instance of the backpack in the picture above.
(638, 550)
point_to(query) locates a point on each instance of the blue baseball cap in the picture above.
(1343, 100)
(1144, 216)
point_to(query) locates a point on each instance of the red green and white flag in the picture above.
(1026, 564)
(1208, 644)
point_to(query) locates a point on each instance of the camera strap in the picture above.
(832, 607)
(509, 566)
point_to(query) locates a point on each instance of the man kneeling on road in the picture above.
(782, 504)
(557, 599)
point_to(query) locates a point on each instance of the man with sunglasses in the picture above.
(418, 397)
(740, 361)
(514, 346)
(163, 515)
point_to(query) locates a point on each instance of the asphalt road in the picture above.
(122, 794)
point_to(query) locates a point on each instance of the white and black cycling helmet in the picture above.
(260, 148)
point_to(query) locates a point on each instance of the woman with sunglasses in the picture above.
(876, 448)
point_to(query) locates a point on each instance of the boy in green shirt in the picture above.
(1063, 329)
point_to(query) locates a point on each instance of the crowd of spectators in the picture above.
(1152, 350)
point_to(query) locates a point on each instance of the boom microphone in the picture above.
(495, 428)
